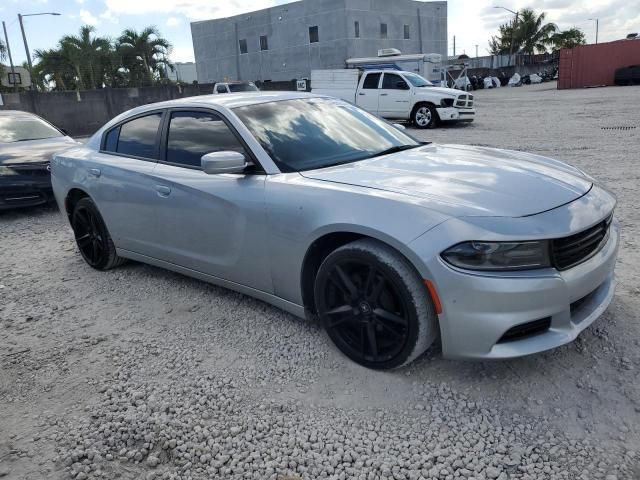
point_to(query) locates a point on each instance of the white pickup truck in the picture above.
(396, 95)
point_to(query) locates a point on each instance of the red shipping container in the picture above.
(595, 65)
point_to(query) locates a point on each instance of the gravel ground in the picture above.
(142, 373)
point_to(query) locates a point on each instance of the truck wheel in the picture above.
(425, 116)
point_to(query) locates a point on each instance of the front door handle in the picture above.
(384, 94)
(163, 190)
(362, 93)
(95, 172)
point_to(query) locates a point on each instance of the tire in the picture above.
(424, 116)
(92, 237)
(374, 306)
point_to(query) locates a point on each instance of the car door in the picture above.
(368, 95)
(213, 224)
(395, 97)
(118, 178)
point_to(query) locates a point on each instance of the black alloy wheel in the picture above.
(368, 310)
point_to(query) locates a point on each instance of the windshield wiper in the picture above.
(396, 149)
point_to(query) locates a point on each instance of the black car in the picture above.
(27, 143)
(628, 75)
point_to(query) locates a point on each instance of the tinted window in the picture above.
(221, 89)
(313, 35)
(356, 26)
(371, 81)
(111, 140)
(24, 127)
(264, 45)
(407, 32)
(390, 82)
(304, 134)
(243, 46)
(138, 137)
(383, 30)
(242, 87)
(193, 134)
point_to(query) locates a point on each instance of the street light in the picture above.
(513, 30)
(24, 38)
(597, 27)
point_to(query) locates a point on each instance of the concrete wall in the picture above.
(85, 112)
(291, 55)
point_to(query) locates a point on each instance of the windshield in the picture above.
(310, 133)
(242, 87)
(23, 128)
(417, 81)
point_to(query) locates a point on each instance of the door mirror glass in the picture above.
(223, 162)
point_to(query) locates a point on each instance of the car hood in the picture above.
(33, 151)
(467, 181)
(442, 90)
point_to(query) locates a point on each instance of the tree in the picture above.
(144, 54)
(3, 50)
(530, 34)
(89, 56)
(568, 38)
(53, 69)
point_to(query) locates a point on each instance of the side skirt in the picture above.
(281, 303)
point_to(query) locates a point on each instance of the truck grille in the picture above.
(464, 101)
(570, 251)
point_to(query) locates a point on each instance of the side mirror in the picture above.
(401, 85)
(399, 126)
(223, 162)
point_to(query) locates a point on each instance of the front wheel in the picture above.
(425, 116)
(92, 237)
(374, 306)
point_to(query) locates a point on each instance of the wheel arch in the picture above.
(72, 198)
(420, 103)
(328, 241)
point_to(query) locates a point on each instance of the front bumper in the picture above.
(452, 114)
(24, 191)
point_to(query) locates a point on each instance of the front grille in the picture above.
(464, 101)
(31, 169)
(526, 330)
(570, 251)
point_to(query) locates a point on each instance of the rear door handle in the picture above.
(384, 94)
(95, 172)
(163, 190)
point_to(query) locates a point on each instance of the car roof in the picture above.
(16, 113)
(229, 100)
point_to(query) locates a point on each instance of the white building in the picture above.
(185, 72)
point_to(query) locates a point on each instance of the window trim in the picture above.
(317, 30)
(164, 141)
(246, 46)
(103, 140)
(266, 43)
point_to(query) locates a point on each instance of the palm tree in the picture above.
(144, 54)
(88, 54)
(3, 50)
(568, 38)
(54, 69)
(532, 34)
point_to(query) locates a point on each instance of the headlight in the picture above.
(6, 171)
(494, 256)
(447, 102)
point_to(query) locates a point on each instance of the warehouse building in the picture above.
(288, 41)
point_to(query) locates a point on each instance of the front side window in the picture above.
(139, 137)
(417, 81)
(243, 46)
(310, 133)
(313, 35)
(194, 134)
(392, 81)
(23, 128)
(264, 44)
(371, 81)
(383, 30)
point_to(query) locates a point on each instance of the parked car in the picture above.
(320, 208)
(234, 87)
(628, 76)
(396, 95)
(27, 143)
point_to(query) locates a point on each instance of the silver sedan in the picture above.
(319, 208)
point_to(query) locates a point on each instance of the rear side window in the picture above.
(221, 89)
(371, 81)
(193, 134)
(139, 137)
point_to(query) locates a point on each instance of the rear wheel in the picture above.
(425, 116)
(92, 237)
(374, 306)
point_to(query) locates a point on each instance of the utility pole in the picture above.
(476, 51)
(513, 32)
(597, 27)
(24, 38)
(13, 70)
(454, 45)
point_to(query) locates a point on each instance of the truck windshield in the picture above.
(417, 81)
(309, 133)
